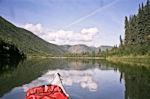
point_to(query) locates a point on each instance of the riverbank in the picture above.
(145, 59)
(77, 57)
(138, 60)
(61, 57)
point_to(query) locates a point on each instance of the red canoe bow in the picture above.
(53, 91)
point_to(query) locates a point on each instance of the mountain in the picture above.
(104, 48)
(25, 41)
(65, 48)
(80, 48)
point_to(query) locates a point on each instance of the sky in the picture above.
(70, 22)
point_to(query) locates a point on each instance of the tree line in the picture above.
(137, 27)
(137, 34)
(9, 49)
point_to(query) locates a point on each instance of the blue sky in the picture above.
(90, 22)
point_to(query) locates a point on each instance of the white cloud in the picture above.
(90, 31)
(63, 37)
(37, 29)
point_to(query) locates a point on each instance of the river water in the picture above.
(82, 79)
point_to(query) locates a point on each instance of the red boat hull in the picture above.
(46, 92)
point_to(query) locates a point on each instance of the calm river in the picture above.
(82, 79)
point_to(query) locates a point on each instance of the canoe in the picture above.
(54, 90)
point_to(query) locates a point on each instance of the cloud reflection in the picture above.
(84, 78)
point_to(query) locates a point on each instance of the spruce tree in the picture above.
(147, 22)
(126, 30)
(140, 22)
(133, 30)
(121, 41)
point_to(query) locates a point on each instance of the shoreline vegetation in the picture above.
(138, 60)
(124, 59)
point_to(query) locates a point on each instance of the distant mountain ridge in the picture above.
(80, 48)
(27, 42)
(104, 47)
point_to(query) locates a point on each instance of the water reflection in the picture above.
(137, 79)
(83, 79)
(8, 64)
(24, 72)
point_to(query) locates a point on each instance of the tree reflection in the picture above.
(137, 79)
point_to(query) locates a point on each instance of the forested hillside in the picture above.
(24, 41)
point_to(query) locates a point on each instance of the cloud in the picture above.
(90, 31)
(63, 37)
(36, 29)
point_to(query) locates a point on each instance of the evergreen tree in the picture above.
(93, 53)
(121, 41)
(140, 22)
(126, 30)
(146, 21)
(132, 30)
(99, 51)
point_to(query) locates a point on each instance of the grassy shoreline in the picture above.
(112, 58)
(142, 58)
(62, 57)
(77, 57)
(138, 60)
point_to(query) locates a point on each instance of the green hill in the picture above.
(25, 41)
